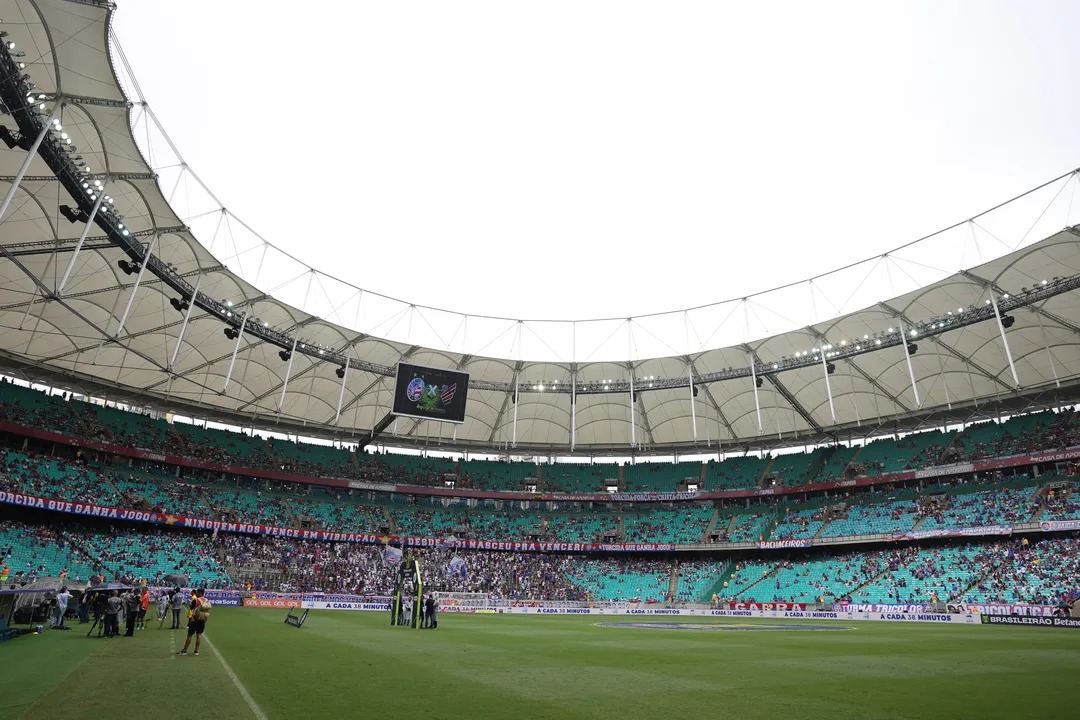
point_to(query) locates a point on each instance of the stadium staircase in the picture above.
(851, 593)
(990, 570)
(270, 451)
(919, 522)
(389, 520)
(852, 461)
(729, 569)
(673, 583)
(712, 524)
(1042, 496)
(355, 460)
(181, 442)
(86, 426)
(704, 475)
(112, 488)
(765, 472)
(817, 465)
(763, 578)
(947, 450)
(622, 481)
(730, 527)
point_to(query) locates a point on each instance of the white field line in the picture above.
(259, 714)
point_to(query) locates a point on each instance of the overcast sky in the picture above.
(592, 159)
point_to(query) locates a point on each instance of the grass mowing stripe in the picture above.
(477, 667)
(236, 681)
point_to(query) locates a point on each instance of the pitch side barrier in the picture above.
(1048, 456)
(956, 614)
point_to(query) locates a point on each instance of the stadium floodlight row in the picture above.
(82, 301)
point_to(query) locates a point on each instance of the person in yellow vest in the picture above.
(4, 574)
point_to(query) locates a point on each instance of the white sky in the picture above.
(606, 159)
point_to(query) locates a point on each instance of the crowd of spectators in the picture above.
(54, 479)
(1042, 573)
(310, 566)
(991, 507)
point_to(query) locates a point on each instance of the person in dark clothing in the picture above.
(131, 607)
(432, 613)
(112, 614)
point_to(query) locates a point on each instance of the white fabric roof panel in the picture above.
(64, 336)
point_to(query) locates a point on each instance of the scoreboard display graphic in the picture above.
(428, 393)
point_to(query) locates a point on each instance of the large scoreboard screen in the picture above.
(428, 393)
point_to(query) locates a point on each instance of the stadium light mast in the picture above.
(236, 349)
(907, 356)
(135, 287)
(29, 158)
(1004, 340)
(82, 239)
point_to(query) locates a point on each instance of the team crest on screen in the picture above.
(415, 391)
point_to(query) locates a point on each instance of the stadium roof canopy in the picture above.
(76, 319)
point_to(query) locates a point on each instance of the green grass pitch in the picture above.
(353, 665)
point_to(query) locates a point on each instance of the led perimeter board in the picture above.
(428, 393)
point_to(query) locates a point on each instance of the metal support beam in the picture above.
(135, 287)
(187, 319)
(573, 408)
(828, 385)
(1049, 355)
(341, 395)
(288, 372)
(82, 239)
(514, 442)
(29, 159)
(633, 420)
(236, 349)
(1004, 340)
(715, 405)
(693, 410)
(907, 356)
(757, 403)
